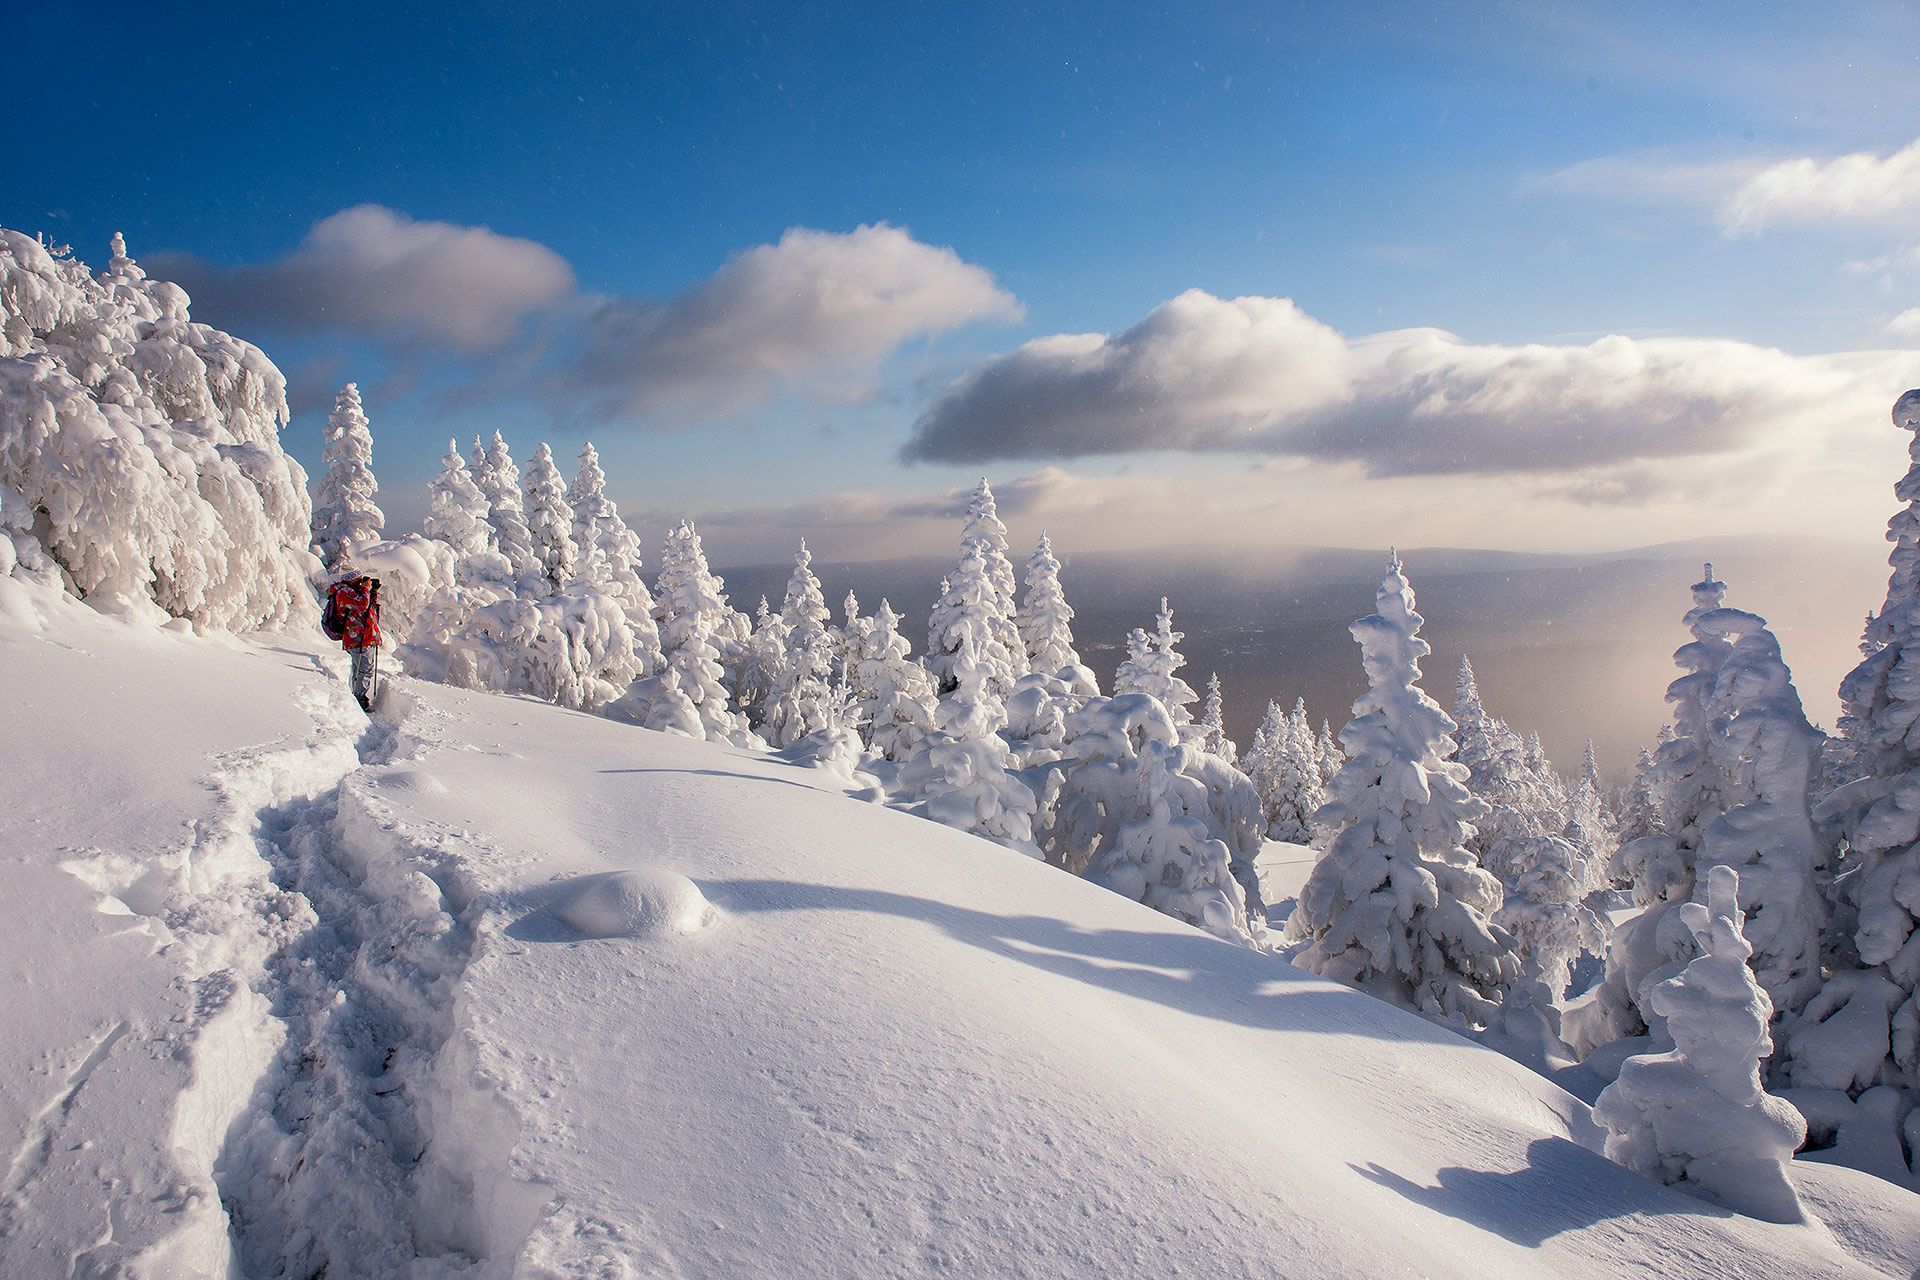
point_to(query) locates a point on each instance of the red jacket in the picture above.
(357, 601)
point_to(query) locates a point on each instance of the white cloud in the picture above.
(375, 271)
(1259, 376)
(819, 310)
(1906, 325)
(1864, 188)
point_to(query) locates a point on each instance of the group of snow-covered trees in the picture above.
(1772, 941)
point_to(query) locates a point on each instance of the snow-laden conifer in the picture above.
(689, 694)
(344, 513)
(1545, 886)
(1697, 1116)
(1213, 723)
(977, 600)
(1398, 905)
(894, 693)
(610, 555)
(1284, 773)
(1151, 666)
(147, 445)
(1863, 1028)
(1327, 753)
(456, 509)
(550, 521)
(1045, 621)
(961, 773)
(849, 640)
(499, 478)
(796, 702)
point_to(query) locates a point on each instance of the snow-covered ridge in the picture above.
(897, 1048)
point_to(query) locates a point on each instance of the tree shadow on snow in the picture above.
(1191, 972)
(1562, 1187)
(723, 773)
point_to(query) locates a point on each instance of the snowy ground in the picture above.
(287, 987)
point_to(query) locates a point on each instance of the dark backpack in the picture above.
(330, 620)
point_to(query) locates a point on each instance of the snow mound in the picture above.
(646, 902)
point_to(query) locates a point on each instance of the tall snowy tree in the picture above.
(1151, 667)
(1283, 770)
(689, 694)
(797, 701)
(1864, 1029)
(1213, 723)
(1327, 754)
(494, 471)
(1693, 788)
(457, 510)
(344, 513)
(610, 554)
(1498, 772)
(1398, 905)
(978, 601)
(895, 693)
(1045, 621)
(550, 522)
(1697, 1116)
(849, 639)
(961, 775)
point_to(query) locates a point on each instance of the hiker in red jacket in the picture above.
(352, 617)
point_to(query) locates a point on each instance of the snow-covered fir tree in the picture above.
(796, 702)
(1520, 803)
(1638, 815)
(146, 446)
(1327, 754)
(894, 694)
(609, 553)
(550, 521)
(1862, 1030)
(760, 661)
(344, 513)
(689, 694)
(1398, 905)
(1692, 788)
(1045, 621)
(499, 478)
(849, 639)
(1151, 667)
(1545, 886)
(977, 600)
(1131, 807)
(456, 509)
(1213, 723)
(1768, 746)
(1285, 774)
(1697, 1116)
(961, 773)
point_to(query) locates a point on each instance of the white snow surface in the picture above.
(286, 988)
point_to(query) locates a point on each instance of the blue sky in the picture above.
(1511, 174)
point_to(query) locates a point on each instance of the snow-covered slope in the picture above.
(306, 976)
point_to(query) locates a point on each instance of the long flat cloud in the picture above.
(816, 310)
(377, 272)
(1864, 188)
(1259, 376)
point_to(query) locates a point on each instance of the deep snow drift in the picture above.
(288, 989)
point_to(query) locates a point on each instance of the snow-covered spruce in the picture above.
(1045, 621)
(1691, 788)
(1863, 1029)
(1520, 799)
(1132, 808)
(1545, 882)
(550, 522)
(688, 694)
(146, 446)
(1281, 765)
(1697, 1117)
(456, 509)
(961, 774)
(1151, 667)
(1213, 723)
(610, 556)
(1397, 905)
(344, 513)
(977, 601)
(797, 696)
(894, 693)
(499, 478)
